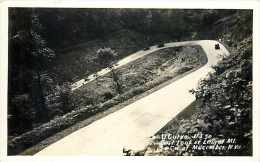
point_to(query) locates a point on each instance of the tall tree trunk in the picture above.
(116, 81)
(40, 106)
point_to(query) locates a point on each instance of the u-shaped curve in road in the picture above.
(132, 126)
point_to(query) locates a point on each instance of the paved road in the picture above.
(132, 126)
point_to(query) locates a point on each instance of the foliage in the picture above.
(106, 58)
(27, 44)
(227, 100)
(224, 107)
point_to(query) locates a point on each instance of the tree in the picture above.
(106, 58)
(41, 56)
(65, 97)
(29, 59)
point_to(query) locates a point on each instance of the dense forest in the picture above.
(51, 48)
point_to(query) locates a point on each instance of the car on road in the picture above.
(217, 47)
(146, 48)
(160, 45)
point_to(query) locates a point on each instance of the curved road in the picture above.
(132, 126)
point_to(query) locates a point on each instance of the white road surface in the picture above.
(132, 126)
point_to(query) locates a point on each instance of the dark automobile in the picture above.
(160, 45)
(146, 48)
(217, 47)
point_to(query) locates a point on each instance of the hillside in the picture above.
(223, 106)
(78, 61)
(50, 49)
(137, 78)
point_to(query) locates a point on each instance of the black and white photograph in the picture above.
(130, 81)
